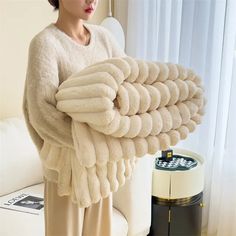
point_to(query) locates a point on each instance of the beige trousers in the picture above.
(64, 218)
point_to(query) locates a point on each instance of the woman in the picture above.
(56, 52)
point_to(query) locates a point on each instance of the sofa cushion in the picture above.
(20, 164)
(120, 225)
(26, 224)
(21, 223)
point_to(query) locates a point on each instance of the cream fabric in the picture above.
(52, 57)
(124, 108)
(92, 110)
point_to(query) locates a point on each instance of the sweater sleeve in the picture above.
(42, 82)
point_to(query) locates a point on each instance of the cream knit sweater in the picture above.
(52, 57)
(121, 109)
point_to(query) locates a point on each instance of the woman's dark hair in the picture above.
(54, 3)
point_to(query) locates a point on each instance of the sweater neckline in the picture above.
(87, 26)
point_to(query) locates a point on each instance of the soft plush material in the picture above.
(52, 57)
(156, 115)
(121, 109)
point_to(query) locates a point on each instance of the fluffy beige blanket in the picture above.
(123, 108)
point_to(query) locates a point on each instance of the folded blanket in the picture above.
(122, 109)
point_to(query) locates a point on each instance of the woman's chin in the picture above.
(86, 16)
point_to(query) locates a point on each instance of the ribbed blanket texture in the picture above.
(123, 108)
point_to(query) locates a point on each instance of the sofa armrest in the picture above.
(19, 160)
(133, 199)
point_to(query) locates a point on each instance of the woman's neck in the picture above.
(74, 28)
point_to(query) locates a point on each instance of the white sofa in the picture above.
(20, 170)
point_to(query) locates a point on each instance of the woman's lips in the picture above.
(89, 10)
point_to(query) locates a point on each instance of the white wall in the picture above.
(20, 20)
(120, 12)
